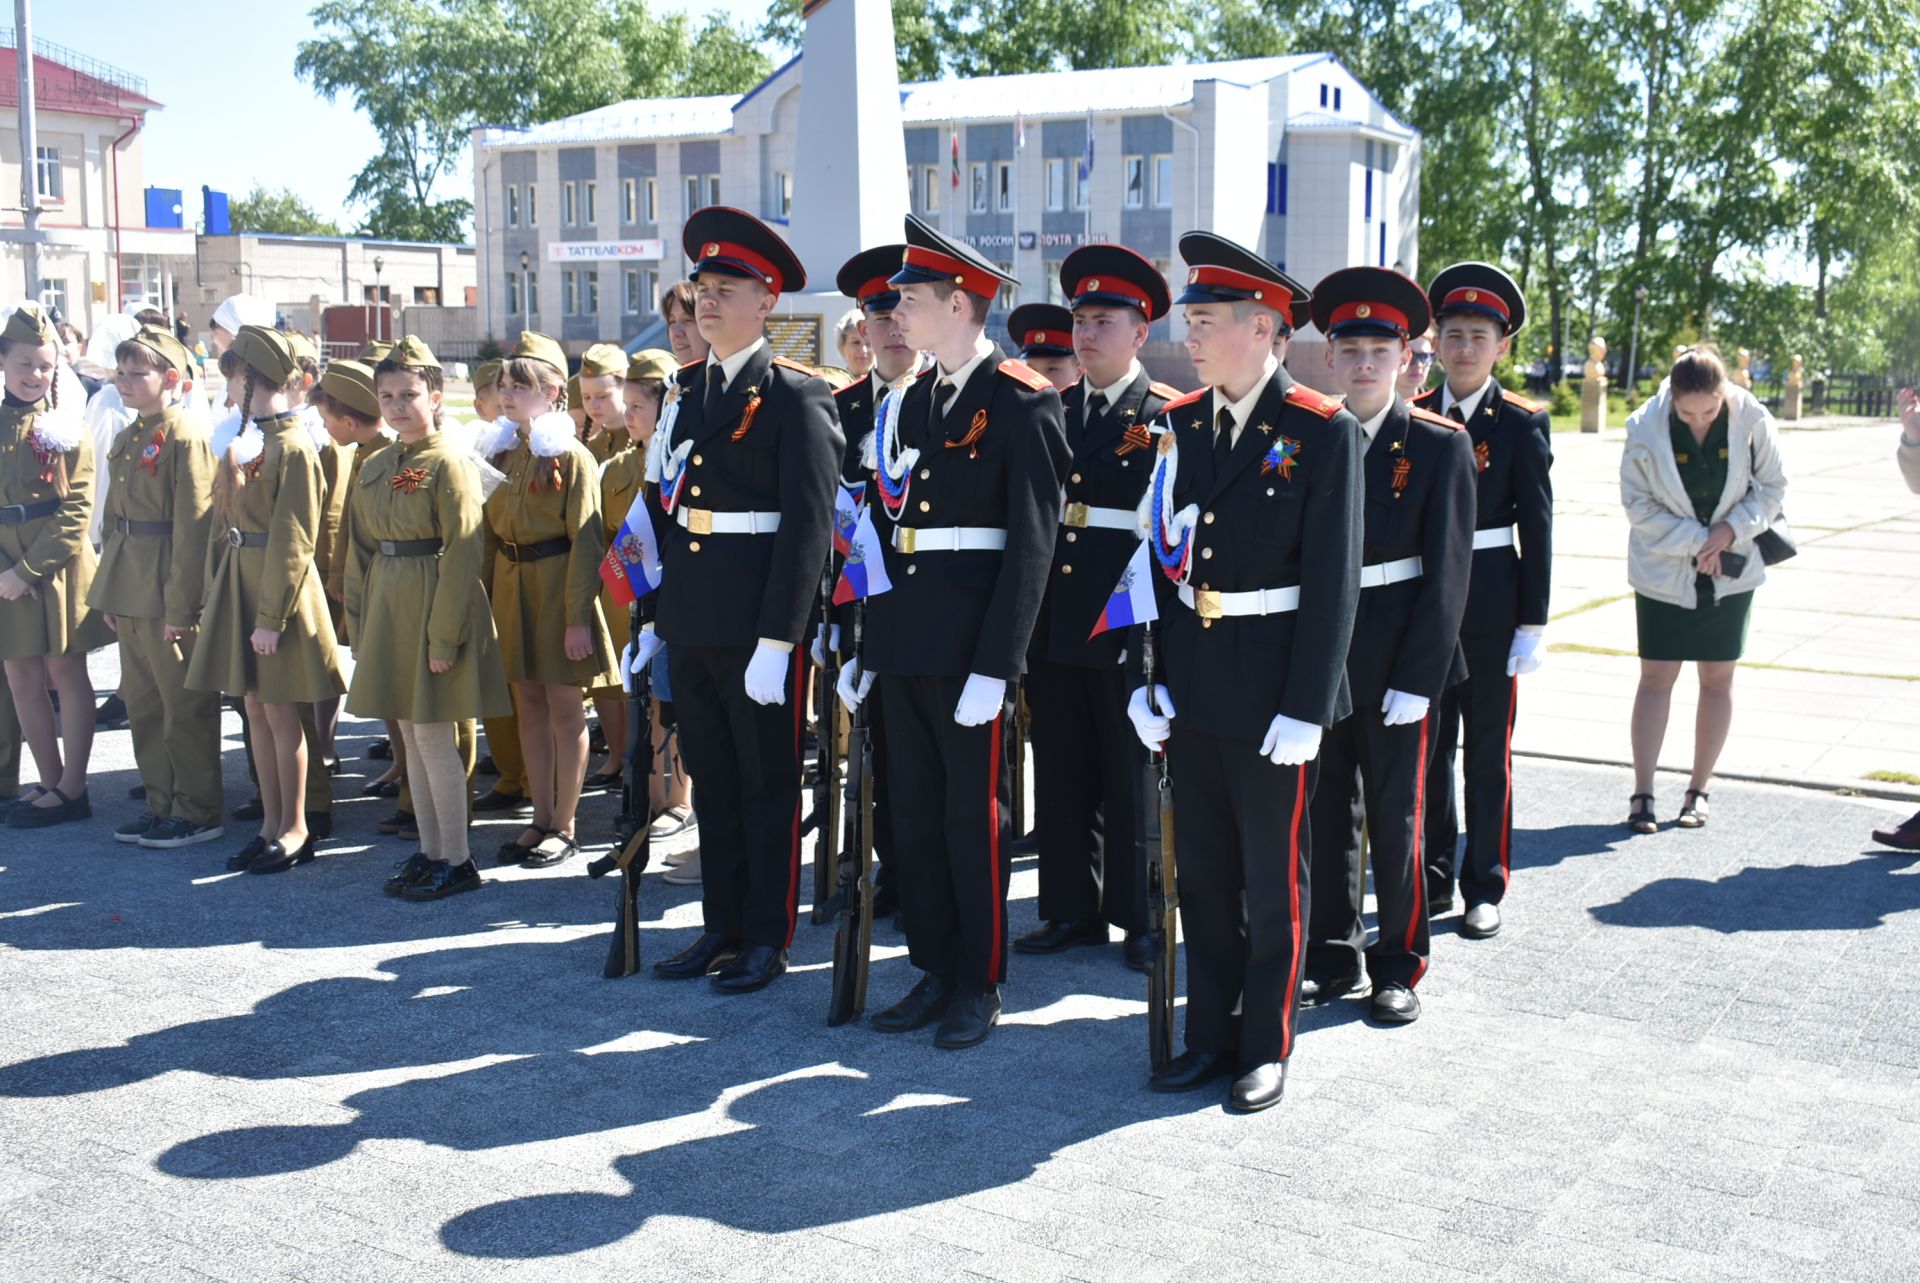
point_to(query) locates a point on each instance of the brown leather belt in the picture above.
(519, 552)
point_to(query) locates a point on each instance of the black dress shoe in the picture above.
(1904, 836)
(1316, 991)
(320, 824)
(925, 1003)
(407, 872)
(25, 815)
(970, 1018)
(252, 809)
(112, 712)
(1395, 1005)
(555, 848)
(442, 880)
(277, 859)
(601, 782)
(709, 953)
(245, 855)
(485, 766)
(1054, 937)
(1138, 950)
(1439, 906)
(1259, 1088)
(494, 800)
(380, 750)
(1189, 1070)
(394, 823)
(758, 966)
(380, 788)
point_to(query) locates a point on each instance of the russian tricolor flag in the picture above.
(846, 515)
(1132, 601)
(631, 568)
(865, 574)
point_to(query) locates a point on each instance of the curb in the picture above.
(1848, 788)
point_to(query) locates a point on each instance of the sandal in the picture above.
(1693, 815)
(517, 852)
(1640, 819)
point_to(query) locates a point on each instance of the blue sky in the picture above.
(235, 114)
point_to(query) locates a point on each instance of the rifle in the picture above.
(853, 936)
(825, 820)
(632, 846)
(1155, 843)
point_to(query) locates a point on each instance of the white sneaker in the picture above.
(687, 872)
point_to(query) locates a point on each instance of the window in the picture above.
(930, 189)
(513, 293)
(1009, 290)
(1082, 186)
(533, 293)
(533, 209)
(1383, 242)
(650, 289)
(1003, 186)
(702, 190)
(1336, 98)
(54, 296)
(1057, 184)
(653, 200)
(629, 201)
(569, 204)
(630, 289)
(692, 193)
(1163, 181)
(513, 205)
(1368, 214)
(713, 189)
(1135, 169)
(569, 292)
(977, 185)
(426, 296)
(589, 206)
(1277, 190)
(1323, 95)
(46, 171)
(782, 194)
(590, 292)
(1055, 293)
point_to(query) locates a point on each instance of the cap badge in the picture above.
(1193, 274)
(1473, 296)
(712, 249)
(1363, 311)
(1093, 283)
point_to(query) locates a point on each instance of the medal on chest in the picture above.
(150, 453)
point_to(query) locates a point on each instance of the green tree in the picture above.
(279, 212)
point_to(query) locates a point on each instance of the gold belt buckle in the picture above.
(699, 521)
(1076, 516)
(1206, 604)
(904, 537)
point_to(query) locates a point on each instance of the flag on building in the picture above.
(865, 572)
(631, 568)
(1086, 159)
(1020, 132)
(954, 134)
(1132, 601)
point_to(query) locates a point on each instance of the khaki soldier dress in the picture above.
(156, 521)
(264, 577)
(337, 466)
(49, 547)
(622, 477)
(417, 505)
(546, 574)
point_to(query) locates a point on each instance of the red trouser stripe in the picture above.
(1506, 807)
(996, 957)
(1416, 878)
(794, 694)
(1292, 996)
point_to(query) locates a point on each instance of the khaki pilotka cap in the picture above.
(535, 346)
(267, 353)
(373, 353)
(411, 350)
(351, 384)
(170, 350)
(28, 324)
(603, 359)
(488, 375)
(573, 394)
(302, 347)
(652, 363)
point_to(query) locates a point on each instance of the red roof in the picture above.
(59, 87)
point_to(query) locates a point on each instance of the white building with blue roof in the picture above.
(579, 219)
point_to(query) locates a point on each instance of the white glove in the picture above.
(1529, 644)
(1152, 727)
(981, 701)
(636, 655)
(1402, 709)
(1290, 743)
(767, 675)
(824, 640)
(853, 685)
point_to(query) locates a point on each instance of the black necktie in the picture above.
(716, 384)
(943, 398)
(1456, 413)
(1096, 406)
(1222, 440)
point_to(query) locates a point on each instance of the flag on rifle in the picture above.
(631, 568)
(865, 574)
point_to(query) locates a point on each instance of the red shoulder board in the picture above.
(1181, 399)
(854, 386)
(807, 370)
(1422, 398)
(1165, 391)
(1514, 398)
(1020, 372)
(1425, 415)
(698, 360)
(1308, 399)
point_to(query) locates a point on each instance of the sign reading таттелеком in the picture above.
(599, 251)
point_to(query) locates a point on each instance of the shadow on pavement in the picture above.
(1796, 897)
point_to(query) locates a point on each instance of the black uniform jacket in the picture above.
(1406, 636)
(1512, 447)
(1283, 526)
(774, 447)
(951, 614)
(1112, 456)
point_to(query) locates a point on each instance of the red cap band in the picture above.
(1112, 285)
(761, 267)
(1048, 338)
(1265, 292)
(1369, 312)
(874, 288)
(964, 274)
(1473, 296)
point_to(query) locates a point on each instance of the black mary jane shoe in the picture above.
(380, 788)
(407, 872)
(601, 782)
(1261, 1087)
(1189, 1071)
(1640, 819)
(925, 1003)
(442, 880)
(277, 859)
(25, 815)
(711, 952)
(545, 855)
(518, 852)
(246, 855)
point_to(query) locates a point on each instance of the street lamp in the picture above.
(1633, 348)
(380, 302)
(526, 307)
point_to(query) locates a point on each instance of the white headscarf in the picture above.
(243, 309)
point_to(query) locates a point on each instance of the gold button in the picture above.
(1072, 537)
(925, 473)
(1208, 518)
(925, 506)
(1066, 570)
(698, 460)
(1076, 478)
(1206, 587)
(1206, 554)
(696, 492)
(694, 546)
(911, 569)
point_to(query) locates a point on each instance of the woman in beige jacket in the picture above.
(1701, 477)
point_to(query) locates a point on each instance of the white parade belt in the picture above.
(1497, 537)
(702, 521)
(1080, 516)
(914, 539)
(1383, 573)
(1210, 605)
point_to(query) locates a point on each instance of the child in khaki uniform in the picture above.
(603, 371)
(156, 522)
(509, 791)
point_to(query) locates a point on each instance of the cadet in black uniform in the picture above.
(1087, 766)
(1417, 554)
(746, 454)
(1044, 334)
(1254, 513)
(1479, 309)
(969, 471)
